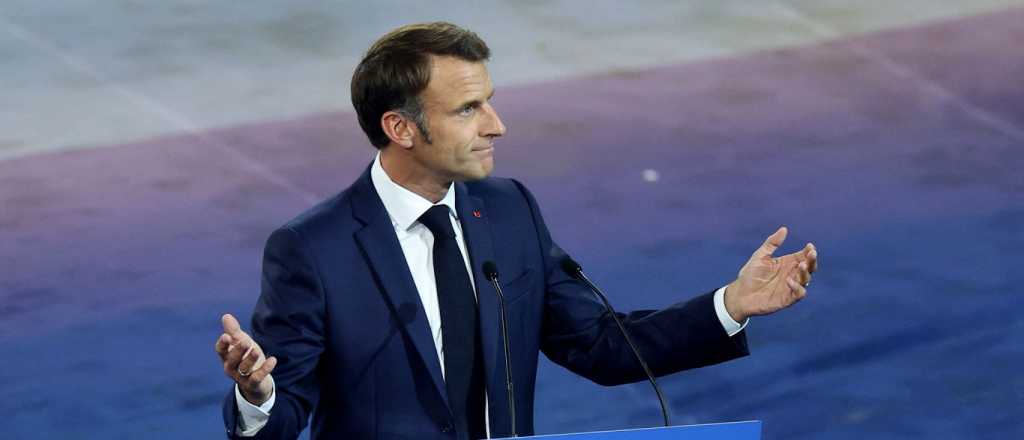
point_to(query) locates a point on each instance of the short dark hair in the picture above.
(396, 69)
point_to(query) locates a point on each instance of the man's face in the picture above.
(461, 122)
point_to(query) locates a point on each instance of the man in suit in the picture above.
(375, 317)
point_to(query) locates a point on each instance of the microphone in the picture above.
(491, 272)
(573, 269)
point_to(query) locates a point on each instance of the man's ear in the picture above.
(398, 128)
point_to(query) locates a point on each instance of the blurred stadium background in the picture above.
(148, 148)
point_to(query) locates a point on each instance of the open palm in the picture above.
(766, 283)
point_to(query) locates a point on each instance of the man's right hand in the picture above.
(244, 362)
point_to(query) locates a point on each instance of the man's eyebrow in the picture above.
(474, 103)
(471, 103)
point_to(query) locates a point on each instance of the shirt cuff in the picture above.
(730, 325)
(252, 418)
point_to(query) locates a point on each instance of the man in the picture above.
(375, 317)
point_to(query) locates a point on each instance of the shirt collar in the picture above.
(403, 206)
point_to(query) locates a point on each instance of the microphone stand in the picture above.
(491, 272)
(574, 270)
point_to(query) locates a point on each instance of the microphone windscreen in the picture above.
(490, 270)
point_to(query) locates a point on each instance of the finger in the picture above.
(241, 340)
(812, 258)
(238, 337)
(250, 362)
(799, 292)
(772, 243)
(260, 373)
(231, 325)
(234, 357)
(804, 274)
(222, 345)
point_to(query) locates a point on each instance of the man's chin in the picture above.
(479, 173)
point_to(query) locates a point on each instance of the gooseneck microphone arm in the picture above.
(573, 269)
(491, 272)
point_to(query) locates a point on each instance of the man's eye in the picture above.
(467, 110)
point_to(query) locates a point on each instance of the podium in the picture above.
(713, 431)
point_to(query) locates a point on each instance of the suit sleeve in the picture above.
(288, 323)
(580, 335)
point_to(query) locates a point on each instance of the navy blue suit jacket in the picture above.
(339, 310)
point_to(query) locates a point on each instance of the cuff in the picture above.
(730, 325)
(253, 418)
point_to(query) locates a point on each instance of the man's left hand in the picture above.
(767, 284)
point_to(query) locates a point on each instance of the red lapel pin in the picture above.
(476, 214)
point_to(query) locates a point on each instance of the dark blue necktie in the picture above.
(460, 334)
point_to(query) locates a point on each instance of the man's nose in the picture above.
(494, 127)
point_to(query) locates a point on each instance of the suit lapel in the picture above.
(479, 242)
(380, 245)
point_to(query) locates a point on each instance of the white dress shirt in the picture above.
(405, 208)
